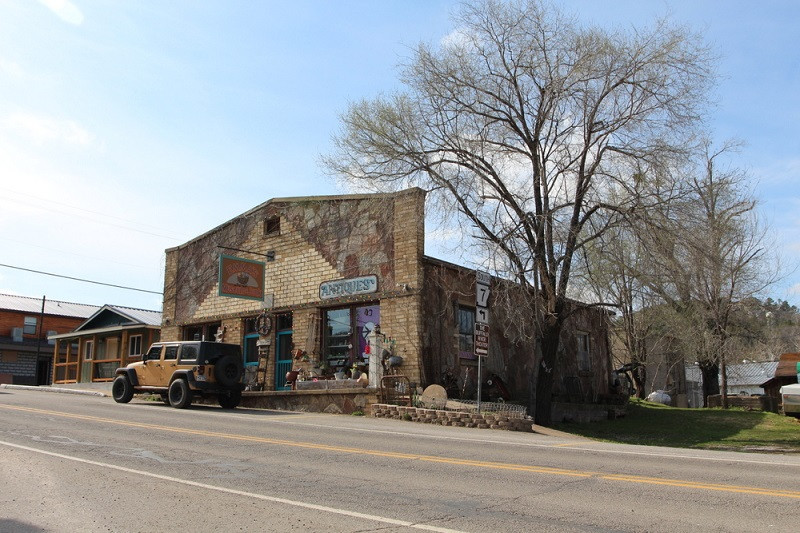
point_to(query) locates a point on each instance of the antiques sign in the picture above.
(348, 287)
(241, 278)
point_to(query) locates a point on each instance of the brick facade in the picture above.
(28, 362)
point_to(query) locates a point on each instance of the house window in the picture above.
(465, 316)
(272, 226)
(584, 361)
(88, 350)
(134, 345)
(345, 335)
(30, 325)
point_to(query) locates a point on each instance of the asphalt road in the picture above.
(81, 463)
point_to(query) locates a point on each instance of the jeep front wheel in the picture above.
(229, 400)
(121, 389)
(180, 396)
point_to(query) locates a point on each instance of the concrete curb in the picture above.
(54, 389)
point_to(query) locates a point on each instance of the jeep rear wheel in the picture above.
(180, 396)
(121, 389)
(228, 371)
(229, 400)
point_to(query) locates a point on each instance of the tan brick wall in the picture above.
(321, 239)
(401, 320)
(409, 227)
(170, 289)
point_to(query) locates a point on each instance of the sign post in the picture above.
(481, 339)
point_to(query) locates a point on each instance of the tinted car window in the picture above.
(188, 353)
(212, 351)
(171, 352)
(154, 352)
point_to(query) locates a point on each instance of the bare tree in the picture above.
(529, 125)
(708, 253)
(610, 266)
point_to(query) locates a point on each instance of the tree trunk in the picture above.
(639, 375)
(543, 414)
(710, 372)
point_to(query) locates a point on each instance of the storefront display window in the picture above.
(346, 332)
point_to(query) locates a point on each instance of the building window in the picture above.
(466, 332)
(345, 336)
(30, 325)
(134, 345)
(584, 361)
(88, 350)
(272, 226)
(201, 332)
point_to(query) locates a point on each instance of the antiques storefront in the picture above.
(321, 292)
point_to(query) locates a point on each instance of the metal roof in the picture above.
(25, 304)
(750, 373)
(143, 316)
(739, 374)
(133, 315)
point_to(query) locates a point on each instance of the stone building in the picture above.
(343, 281)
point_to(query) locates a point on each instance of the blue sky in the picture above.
(130, 127)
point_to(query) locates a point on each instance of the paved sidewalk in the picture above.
(62, 390)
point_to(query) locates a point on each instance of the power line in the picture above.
(79, 279)
(104, 220)
(51, 249)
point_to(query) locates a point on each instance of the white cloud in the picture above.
(11, 69)
(457, 38)
(65, 10)
(794, 290)
(779, 172)
(41, 129)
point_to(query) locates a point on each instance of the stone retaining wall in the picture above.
(452, 418)
(342, 401)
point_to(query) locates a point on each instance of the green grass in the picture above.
(653, 424)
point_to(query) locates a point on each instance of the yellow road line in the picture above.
(428, 458)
